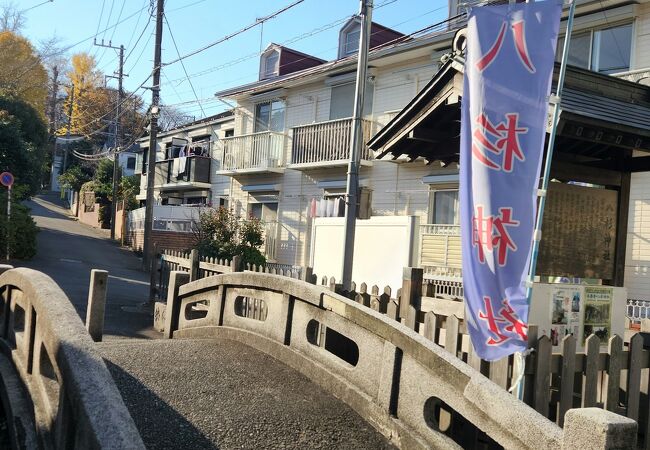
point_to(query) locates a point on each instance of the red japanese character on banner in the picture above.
(490, 232)
(502, 138)
(519, 35)
(503, 323)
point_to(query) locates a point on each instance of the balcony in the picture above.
(440, 253)
(327, 144)
(196, 173)
(251, 153)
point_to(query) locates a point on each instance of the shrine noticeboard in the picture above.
(579, 232)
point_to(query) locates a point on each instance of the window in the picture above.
(352, 41)
(443, 208)
(606, 50)
(269, 116)
(130, 163)
(270, 64)
(265, 212)
(342, 101)
(229, 133)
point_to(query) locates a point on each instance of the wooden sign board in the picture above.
(579, 232)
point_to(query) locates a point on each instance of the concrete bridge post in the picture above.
(96, 304)
(597, 429)
(172, 311)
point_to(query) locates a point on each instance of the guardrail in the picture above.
(414, 392)
(74, 401)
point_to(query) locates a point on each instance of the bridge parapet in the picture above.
(411, 390)
(76, 403)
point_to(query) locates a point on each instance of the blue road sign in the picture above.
(6, 179)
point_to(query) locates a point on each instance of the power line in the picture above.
(131, 38)
(169, 28)
(186, 6)
(99, 22)
(428, 28)
(236, 33)
(36, 6)
(69, 47)
(290, 41)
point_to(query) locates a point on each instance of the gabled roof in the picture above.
(432, 40)
(605, 111)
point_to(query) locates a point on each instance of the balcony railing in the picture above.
(196, 170)
(253, 151)
(327, 141)
(440, 253)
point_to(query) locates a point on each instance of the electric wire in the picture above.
(290, 41)
(236, 33)
(171, 34)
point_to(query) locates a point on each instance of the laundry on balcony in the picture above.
(327, 207)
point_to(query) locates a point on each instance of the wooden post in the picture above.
(194, 265)
(410, 302)
(236, 263)
(308, 275)
(177, 278)
(621, 226)
(152, 274)
(96, 304)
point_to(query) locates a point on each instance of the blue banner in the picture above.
(508, 70)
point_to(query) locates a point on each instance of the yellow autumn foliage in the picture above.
(22, 75)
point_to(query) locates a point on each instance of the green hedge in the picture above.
(22, 230)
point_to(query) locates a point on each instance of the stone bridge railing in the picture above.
(414, 392)
(55, 388)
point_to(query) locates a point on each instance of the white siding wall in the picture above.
(397, 188)
(637, 257)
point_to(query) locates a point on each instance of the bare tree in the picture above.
(171, 117)
(11, 18)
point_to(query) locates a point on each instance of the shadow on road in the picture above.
(160, 425)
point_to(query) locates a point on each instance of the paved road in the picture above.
(68, 250)
(189, 394)
(205, 394)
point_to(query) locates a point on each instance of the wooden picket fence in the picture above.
(201, 267)
(615, 377)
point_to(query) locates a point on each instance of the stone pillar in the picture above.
(96, 304)
(597, 429)
(172, 312)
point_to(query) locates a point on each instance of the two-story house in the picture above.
(183, 182)
(185, 162)
(286, 159)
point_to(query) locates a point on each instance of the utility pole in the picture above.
(53, 101)
(55, 90)
(153, 137)
(118, 141)
(356, 143)
(67, 135)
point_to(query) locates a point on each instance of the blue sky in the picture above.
(195, 23)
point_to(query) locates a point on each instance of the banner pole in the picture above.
(541, 193)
